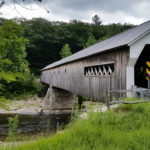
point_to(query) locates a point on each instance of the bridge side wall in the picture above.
(72, 77)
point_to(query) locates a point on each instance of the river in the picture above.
(34, 123)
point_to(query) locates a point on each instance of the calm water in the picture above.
(33, 123)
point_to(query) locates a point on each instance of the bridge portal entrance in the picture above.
(140, 68)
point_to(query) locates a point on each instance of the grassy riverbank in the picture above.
(124, 128)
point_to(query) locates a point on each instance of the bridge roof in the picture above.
(122, 39)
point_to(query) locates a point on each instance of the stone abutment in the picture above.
(59, 99)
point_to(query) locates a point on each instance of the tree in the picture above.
(12, 47)
(96, 20)
(46, 40)
(44, 43)
(65, 52)
(12, 53)
(91, 40)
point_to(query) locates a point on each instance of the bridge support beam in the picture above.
(58, 99)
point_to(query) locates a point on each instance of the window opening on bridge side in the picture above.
(99, 70)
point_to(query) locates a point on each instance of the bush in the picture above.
(81, 99)
(28, 85)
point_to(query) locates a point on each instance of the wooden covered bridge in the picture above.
(115, 63)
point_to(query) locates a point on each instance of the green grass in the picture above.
(124, 128)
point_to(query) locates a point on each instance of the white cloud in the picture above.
(116, 17)
(142, 9)
(127, 11)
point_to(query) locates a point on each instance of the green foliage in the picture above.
(44, 43)
(124, 128)
(113, 29)
(15, 78)
(91, 40)
(12, 54)
(12, 48)
(65, 51)
(13, 125)
(46, 38)
(29, 85)
(81, 99)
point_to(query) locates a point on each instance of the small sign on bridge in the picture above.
(148, 73)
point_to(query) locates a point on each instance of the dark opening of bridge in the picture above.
(140, 68)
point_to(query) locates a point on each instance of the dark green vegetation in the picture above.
(124, 128)
(15, 78)
(46, 38)
(26, 46)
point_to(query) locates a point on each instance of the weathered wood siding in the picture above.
(71, 76)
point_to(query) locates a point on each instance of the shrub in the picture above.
(81, 99)
(29, 84)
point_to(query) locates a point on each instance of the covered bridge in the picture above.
(115, 63)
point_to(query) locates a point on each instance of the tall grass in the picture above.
(13, 125)
(124, 128)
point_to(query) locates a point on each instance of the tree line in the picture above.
(46, 38)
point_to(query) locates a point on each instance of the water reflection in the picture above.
(34, 123)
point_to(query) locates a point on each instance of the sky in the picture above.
(110, 11)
